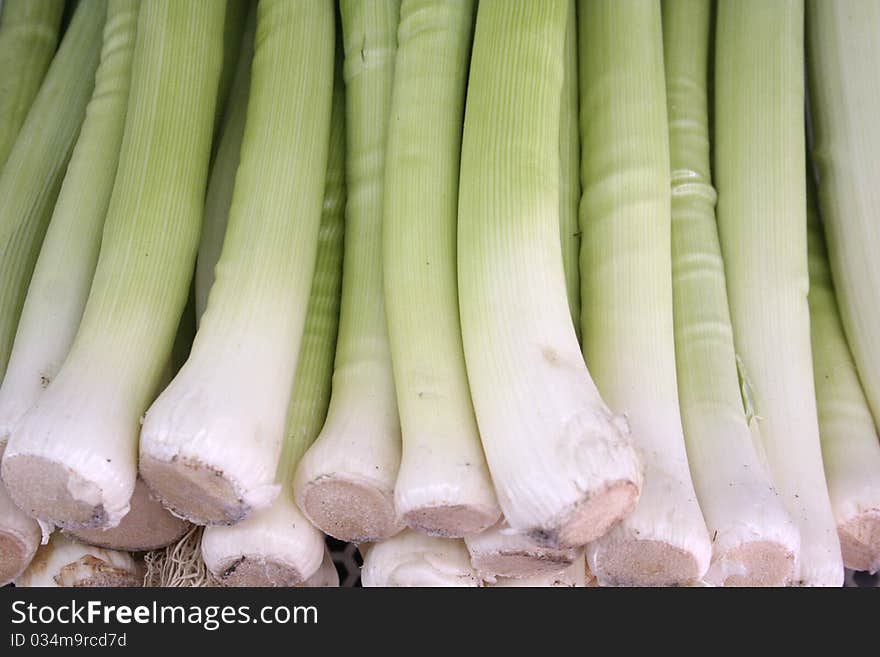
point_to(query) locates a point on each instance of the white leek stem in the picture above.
(754, 541)
(345, 482)
(626, 287)
(413, 559)
(72, 460)
(211, 442)
(443, 487)
(762, 220)
(278, 546)
(563, 467)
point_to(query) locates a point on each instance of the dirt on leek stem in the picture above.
(345, 482)
(759, 165)
(72, 460)
(210, 460)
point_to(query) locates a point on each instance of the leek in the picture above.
(210, 444)
(277, 546)
(850, 447)
(443, 487)
(72, 460)
(754, 541)
(762, 223)
(345, 482)
(626, 287)
(562, 464)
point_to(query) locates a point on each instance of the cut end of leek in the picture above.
(753, 563)
(55, 493)
(19, 539)
(16, 552)
(575, 576)
(353, 510)
(451, 520)
(65, 562)
(275, 546)
(146, 526)
(256, 570)
(593, 517)
(626, 560)
(860, 541)
(91, 572)
(199, 492)
(498, 552)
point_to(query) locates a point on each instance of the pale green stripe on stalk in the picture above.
(28, 37)
(843, 51)
(570, 162)
(221, 182)
(311, 388)
(760, 176)
(850, 448)
(32, 177)
(63, 273)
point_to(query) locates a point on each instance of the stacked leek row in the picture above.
(509, 293)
